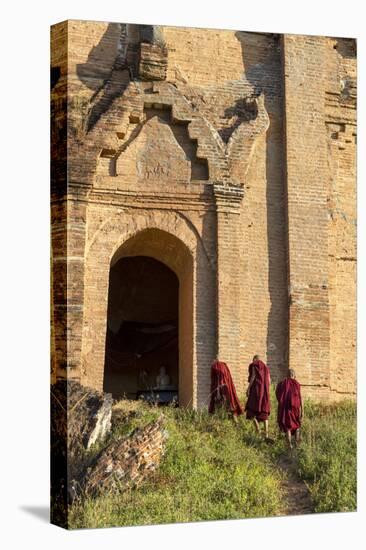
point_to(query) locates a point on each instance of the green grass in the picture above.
(207, 473)
(327, 457)
(214, 469)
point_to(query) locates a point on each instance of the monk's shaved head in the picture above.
(256, 358)
(291, 373)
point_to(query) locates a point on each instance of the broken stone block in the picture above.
(82, 413)
(127, 462)
(80, 417)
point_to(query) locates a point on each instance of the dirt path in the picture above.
(296, 494)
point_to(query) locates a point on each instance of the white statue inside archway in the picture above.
(163, 379)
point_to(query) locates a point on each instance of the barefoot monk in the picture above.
(290, 409)
(258, 404)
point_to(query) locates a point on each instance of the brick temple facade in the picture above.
(203, 205)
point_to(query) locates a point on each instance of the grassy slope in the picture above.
(327, 457)
(214, 469)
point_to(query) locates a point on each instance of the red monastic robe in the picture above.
(288, 395)
(258, 405)
(223, 389)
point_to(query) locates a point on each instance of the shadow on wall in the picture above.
(243, 110)
(105, 71)
(262, 62)
(55, 76)
(346, 47)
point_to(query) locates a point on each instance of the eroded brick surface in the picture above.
(128, 462)
(230, 157)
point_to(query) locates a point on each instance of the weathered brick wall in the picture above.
(340, 121)
(59, 74)
(224, 142)
(306, 167)
(320, 163)
(264, 297)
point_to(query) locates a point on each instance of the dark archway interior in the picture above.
(142, 327)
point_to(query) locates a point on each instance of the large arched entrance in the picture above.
(150, 318)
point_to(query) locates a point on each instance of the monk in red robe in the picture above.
(290, 409)
(258, 405)
(223, 391)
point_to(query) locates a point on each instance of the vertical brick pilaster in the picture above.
(68, 219)
(59, 93)
(306, 167)
(59, 287)
(228, 199)
(76, 230)
(68, 242)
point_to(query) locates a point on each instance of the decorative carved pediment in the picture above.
(155, 155)
(210, 157)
